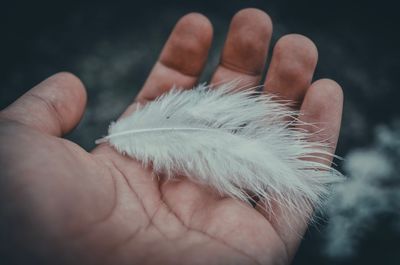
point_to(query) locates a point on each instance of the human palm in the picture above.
(104, 208)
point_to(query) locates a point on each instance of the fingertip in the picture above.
(66, 92)
(323, 106)
(258, 16)
(327, 88)
(300, 50)
(187, 48)
(247, 42)
(197, 26)
(245, 49)
(76, 89)
(182, 59)
(299, 44)
(292, 67)
(324, 95)
(54, 106)
(196, 21)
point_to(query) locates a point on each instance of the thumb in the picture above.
(54, 106)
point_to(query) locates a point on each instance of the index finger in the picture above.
(182, 59)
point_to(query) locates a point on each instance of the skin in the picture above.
(100, 207)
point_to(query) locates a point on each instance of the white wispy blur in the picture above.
(371, 190)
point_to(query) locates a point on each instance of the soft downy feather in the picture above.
(237, 142)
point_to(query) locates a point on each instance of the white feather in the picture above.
(238, 142)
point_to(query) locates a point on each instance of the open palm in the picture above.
(104, 208)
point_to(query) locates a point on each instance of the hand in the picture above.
(63, 203)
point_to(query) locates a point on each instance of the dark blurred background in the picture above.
(112, 47)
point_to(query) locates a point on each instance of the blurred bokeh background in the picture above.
(111, 46)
